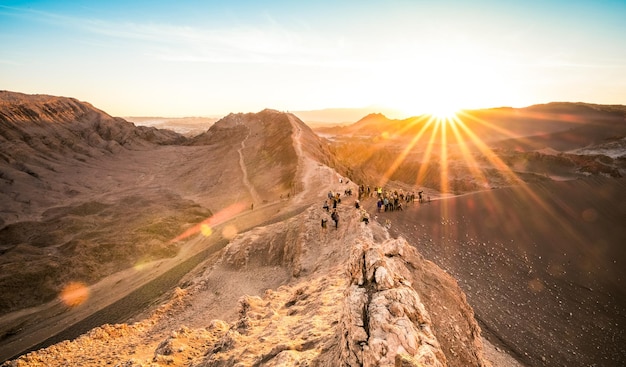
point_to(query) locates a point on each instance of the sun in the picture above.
(437, 110)
(444, 113)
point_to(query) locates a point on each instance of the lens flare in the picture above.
(74, 294)
(205, 227)
(206, 230)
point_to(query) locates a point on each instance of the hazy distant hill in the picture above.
(339, 116)
(561, 126)
(188, 126)
(484, 149)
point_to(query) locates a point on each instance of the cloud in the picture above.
(270, 43)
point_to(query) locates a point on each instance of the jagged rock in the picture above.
(389, 313)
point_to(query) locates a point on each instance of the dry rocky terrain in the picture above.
(133, 246)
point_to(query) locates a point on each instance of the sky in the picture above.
(210, 58)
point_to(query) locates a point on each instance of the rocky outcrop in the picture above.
(349, 297)
(367, 309)
(384, 317)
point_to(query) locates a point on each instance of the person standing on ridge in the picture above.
(335, 217)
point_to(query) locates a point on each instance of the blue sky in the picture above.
(200, 58)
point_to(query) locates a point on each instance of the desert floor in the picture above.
(542, 265)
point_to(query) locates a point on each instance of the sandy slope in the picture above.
(543, 265)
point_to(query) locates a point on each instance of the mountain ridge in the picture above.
(244, 200)
(289, 144)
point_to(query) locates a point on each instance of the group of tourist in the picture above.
(387, 201)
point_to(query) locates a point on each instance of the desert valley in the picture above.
(198, 242)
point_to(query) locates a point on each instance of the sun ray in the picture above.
(402, 156)
(489, 154)
(529, 194)
(443, 159)
(471, 163)
(427, 154)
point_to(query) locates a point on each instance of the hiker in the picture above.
(421, 200)
(365, 217)
(334, 216)
(326, 207)
(357, 204)
(324, 220)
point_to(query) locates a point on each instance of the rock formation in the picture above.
(350, 297)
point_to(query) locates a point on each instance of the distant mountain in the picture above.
(188, 126)
(340, 116)
(561, 126)
(264, 141)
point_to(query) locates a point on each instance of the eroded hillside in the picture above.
(85, 195)
(287, 293)
(294, 293)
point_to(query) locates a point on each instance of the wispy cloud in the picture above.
(181, 43)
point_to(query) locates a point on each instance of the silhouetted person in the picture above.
(335, 217)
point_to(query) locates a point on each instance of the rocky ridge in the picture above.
(278, 294)
(350, 297)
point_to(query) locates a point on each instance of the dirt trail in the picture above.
(255, 196)
(311, 174)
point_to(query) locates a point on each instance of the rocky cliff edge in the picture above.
(350, 296)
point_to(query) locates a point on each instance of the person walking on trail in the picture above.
(335, 217)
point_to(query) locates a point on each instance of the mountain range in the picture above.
(131, 245)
